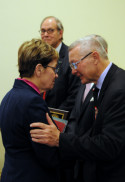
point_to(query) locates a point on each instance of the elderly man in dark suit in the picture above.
(100, 148)
(84, 95)
(62, 96)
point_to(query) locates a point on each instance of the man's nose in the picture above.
(56, 75)
(45, 33)
(74, 71)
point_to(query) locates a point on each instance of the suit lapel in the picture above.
(63, 51)
(61, 57)
(86, 102)
(106, 82)
(82, 90)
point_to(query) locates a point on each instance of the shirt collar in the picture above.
(102, 77)
(59, 47)
(30, 84)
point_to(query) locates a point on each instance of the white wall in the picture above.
(20, 20)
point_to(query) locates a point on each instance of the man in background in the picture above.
(63, 95)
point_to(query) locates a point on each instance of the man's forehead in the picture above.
(73, 56)
(75, 50)
(50, 23)
(76, 53)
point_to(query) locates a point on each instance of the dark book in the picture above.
(60, 118)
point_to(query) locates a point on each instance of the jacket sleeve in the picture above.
(47, 156)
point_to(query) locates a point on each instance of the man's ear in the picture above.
(38, 70)
(61, 33)
(96, 57)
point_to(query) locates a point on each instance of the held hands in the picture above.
(45, 134)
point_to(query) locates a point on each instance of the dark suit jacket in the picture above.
(63, 94)
(80, 108)
(76, 111)
(101, 149)
(25, 161)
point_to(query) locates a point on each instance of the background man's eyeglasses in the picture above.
(74, 65)
(49, 31)
(55, 69)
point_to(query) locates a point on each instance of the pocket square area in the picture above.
(92, 99)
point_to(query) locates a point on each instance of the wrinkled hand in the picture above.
(45, 134)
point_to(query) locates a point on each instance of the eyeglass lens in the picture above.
(49, 31)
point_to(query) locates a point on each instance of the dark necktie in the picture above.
(95, 95)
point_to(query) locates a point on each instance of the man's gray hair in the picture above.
(89, 44)
(101, 40)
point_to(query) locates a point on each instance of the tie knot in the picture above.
(95, 89)
(95, 94)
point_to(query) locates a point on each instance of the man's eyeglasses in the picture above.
(49, 31)
(74, 65)
(55, 69)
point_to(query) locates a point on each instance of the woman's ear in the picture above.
(38, 70)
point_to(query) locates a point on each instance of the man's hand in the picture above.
(45, 134)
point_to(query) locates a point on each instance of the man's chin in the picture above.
(48, 41)
(51, 87)
(83, 81)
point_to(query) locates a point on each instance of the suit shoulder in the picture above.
(64, 46)
(26, 95)
(63, 51)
